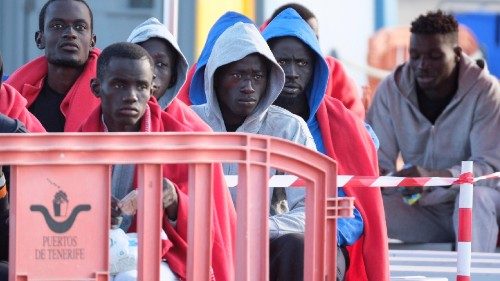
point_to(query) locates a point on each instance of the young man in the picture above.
(56, 85)
(170, 69)
(242, 80)
(13, 105)
(437, 110)
(340, 85)
(338, 134)
(124, 85)
(193, 92)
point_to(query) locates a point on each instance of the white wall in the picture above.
(344, 26)
(409, 10)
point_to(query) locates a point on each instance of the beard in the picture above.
(285, 102)
(66, 62)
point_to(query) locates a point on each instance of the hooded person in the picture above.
(340, 85)
(242, 80)
(170, 69)
(123, 83)
(192, 92)
(338, 134)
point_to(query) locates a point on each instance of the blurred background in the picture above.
(369, 36)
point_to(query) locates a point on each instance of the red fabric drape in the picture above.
(347, 141)
(13, 105)
(79, 101)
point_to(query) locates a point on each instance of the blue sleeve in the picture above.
(349, 229)
(374, 137)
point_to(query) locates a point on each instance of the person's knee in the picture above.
(293, 240)
(482, 199)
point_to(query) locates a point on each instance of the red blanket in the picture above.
(79, 101)
(13, 105)
(187, 116)
(347, 141)
(224, 216)
(343, 88)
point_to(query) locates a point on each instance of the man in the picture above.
(437, 110)
(242, 80)
(56, 85)
(13, 105)
(193, 92)
(170, 69)
(170, 63)
(338, 134)
(340, 85)
(124, 85)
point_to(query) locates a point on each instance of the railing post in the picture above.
(200, 214)
(149, 212)
(464, 226)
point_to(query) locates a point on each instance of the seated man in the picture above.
(242, 81)
(170, 70)
(124, 85)
(56, 85)
(340, 85)
(436, 110)
(338, 134)
(193, 91)
(13, 105)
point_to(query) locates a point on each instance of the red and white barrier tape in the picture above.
(382, 181)
(466, 180)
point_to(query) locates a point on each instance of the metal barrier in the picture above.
(66, 171)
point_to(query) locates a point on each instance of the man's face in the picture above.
(433, 59)
(240, 85)
(67, 36)
(164, 59)
(124, 91)
(297, 61)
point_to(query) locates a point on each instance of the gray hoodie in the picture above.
(153, 28)
(467, 129)
(234, 44)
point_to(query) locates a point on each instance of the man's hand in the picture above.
(170, 199)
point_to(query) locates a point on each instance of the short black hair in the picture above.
(304, 12)
(436, 22)
(43, 11)
(121, 50)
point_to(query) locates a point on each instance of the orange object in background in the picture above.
(388, 48)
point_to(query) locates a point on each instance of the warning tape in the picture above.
(381, 181)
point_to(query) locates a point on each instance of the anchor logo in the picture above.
(60, 207)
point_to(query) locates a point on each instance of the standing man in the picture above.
(338, 134)
(56, 85)
(438, 109)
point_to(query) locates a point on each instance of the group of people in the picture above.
(434, 111)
